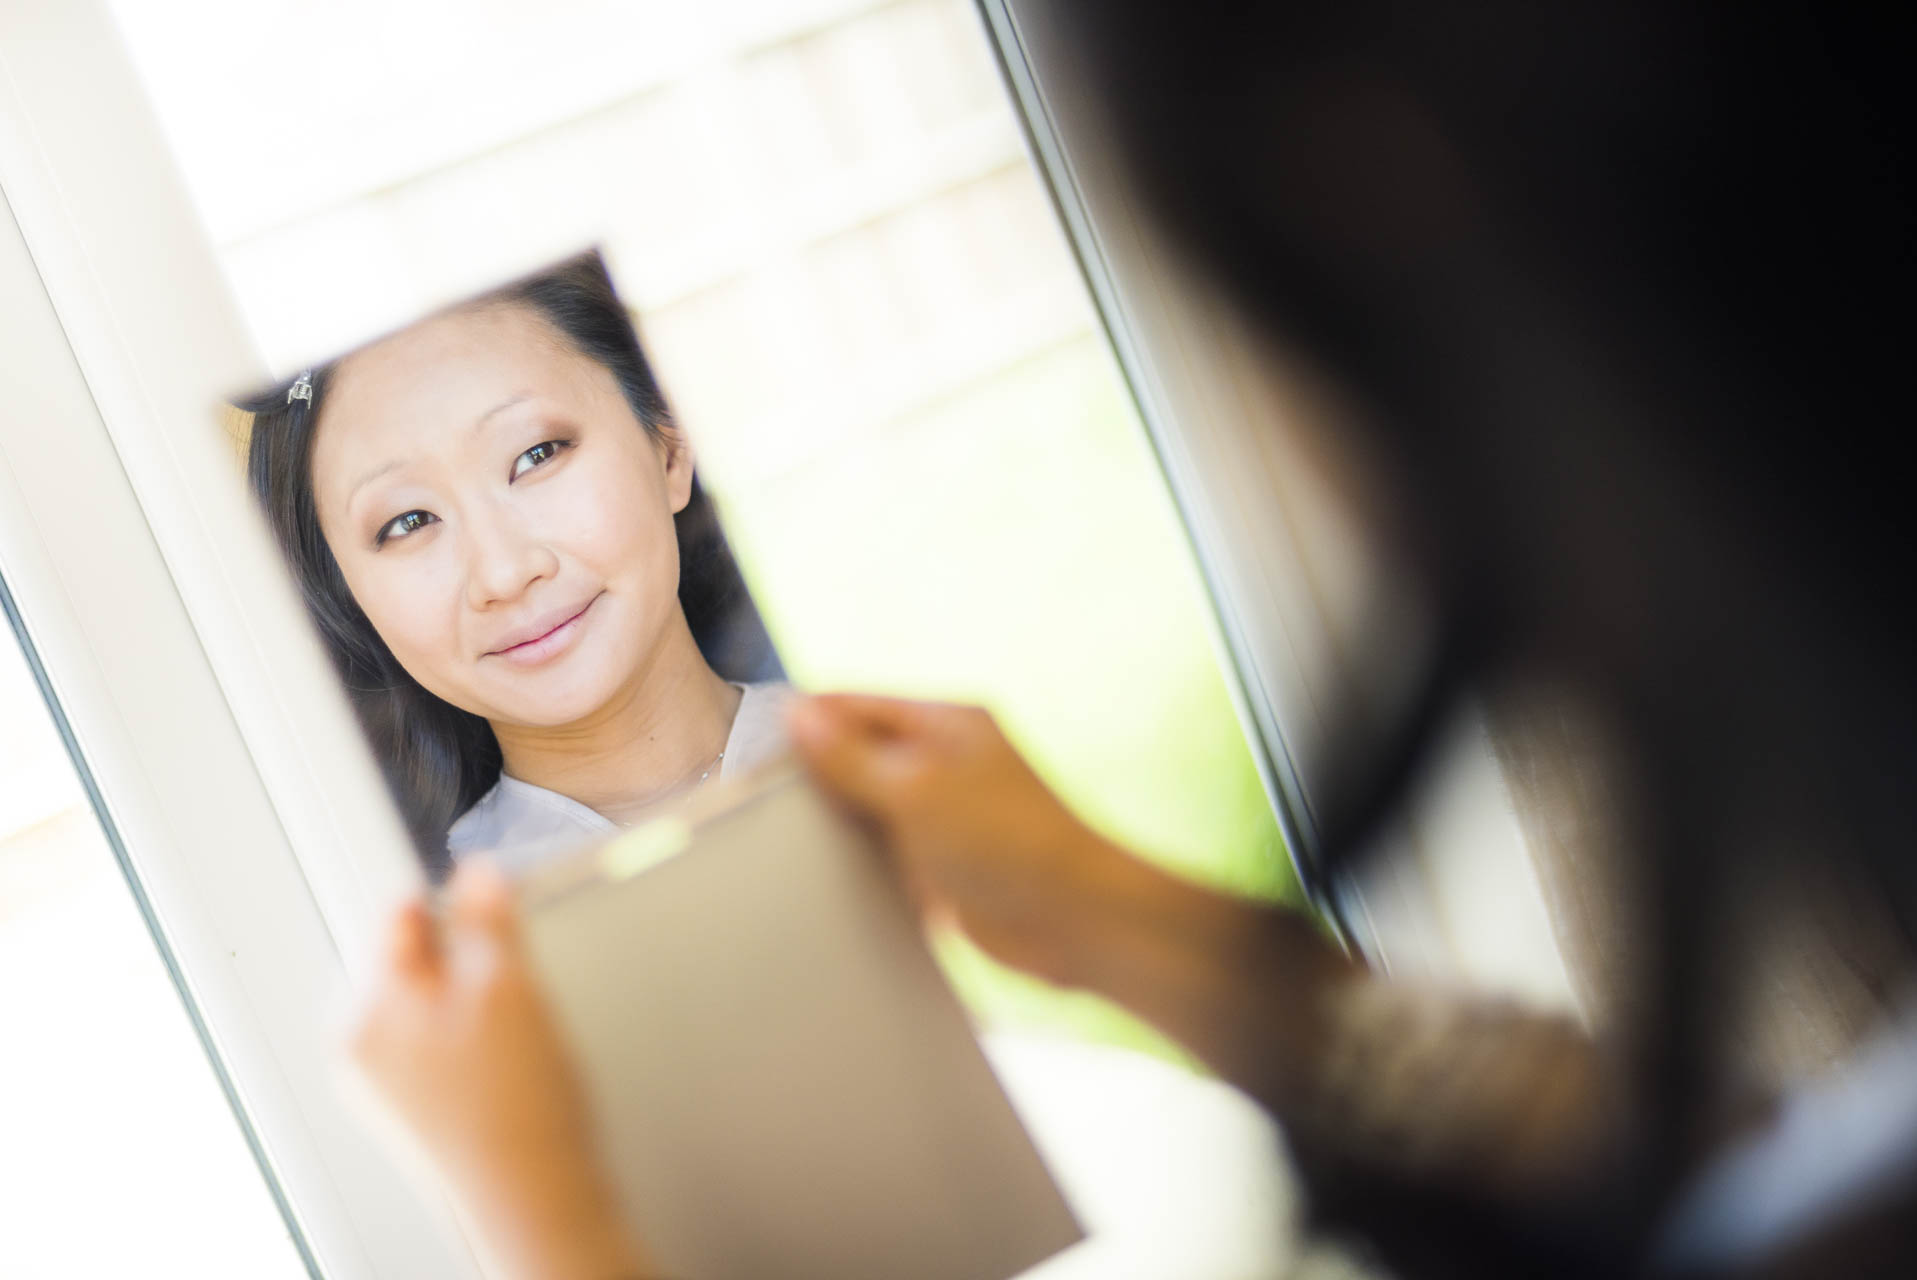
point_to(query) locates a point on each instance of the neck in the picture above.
(666, 725)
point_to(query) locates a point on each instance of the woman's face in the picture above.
(500, 514)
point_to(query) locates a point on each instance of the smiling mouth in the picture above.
(547, 643)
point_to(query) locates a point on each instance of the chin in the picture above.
(564, 699)
(553, 713)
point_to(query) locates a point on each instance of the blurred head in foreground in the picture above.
(1609, 286)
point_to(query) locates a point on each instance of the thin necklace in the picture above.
(679, 790)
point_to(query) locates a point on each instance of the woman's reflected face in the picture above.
(500, 514)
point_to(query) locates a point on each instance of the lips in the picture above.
(543, 635)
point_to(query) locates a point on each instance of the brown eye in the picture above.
(401, 525)
(537, 456)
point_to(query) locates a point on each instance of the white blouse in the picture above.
(520, 825)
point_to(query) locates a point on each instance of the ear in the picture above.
(679, 463)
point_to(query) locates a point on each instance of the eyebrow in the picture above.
(501, 407)
(397, 463)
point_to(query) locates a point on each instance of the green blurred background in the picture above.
(858, 296)
(1015, 545)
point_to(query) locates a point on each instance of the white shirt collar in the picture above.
(520, 824)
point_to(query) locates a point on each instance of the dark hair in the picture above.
(1611, 282)
(437, 758)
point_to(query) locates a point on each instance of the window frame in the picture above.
(1291, 648)
(184, 664)
(255, 830)
(1258, 639)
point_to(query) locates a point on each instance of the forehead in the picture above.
(405, 392)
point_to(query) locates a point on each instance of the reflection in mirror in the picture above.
(498, 530)
(854, 290)
(853, 287)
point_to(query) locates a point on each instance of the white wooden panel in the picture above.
(226, 757)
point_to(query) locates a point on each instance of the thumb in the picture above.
(480, 917)
(846, 756)
(412, 946)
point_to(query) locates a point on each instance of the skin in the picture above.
(979, 842)
(455, 1036)
(460, 1047)
(480, 483)
(983, 845)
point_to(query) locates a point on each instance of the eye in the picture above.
(401, 525)
(537, 456)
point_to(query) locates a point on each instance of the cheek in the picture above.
(618, 523)
(413, 607)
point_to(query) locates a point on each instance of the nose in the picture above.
(503, 558)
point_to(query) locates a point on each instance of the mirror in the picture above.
(923, 471)
(497, 527)
(855, 294)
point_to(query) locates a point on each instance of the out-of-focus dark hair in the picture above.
(437, 758)
(1622, 288)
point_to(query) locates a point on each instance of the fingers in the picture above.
(479, 899)
(873, 714)
(412, 945)
(414, 971)
(482, 931)
(850, 753)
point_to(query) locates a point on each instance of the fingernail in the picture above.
(808, 723)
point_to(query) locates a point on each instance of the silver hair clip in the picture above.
(302, 388)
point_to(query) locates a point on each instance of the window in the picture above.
(122, 1155)
(861, 304)
(860, 300)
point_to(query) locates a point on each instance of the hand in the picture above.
(980, 841)
(456, 1039)
(978, 838)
